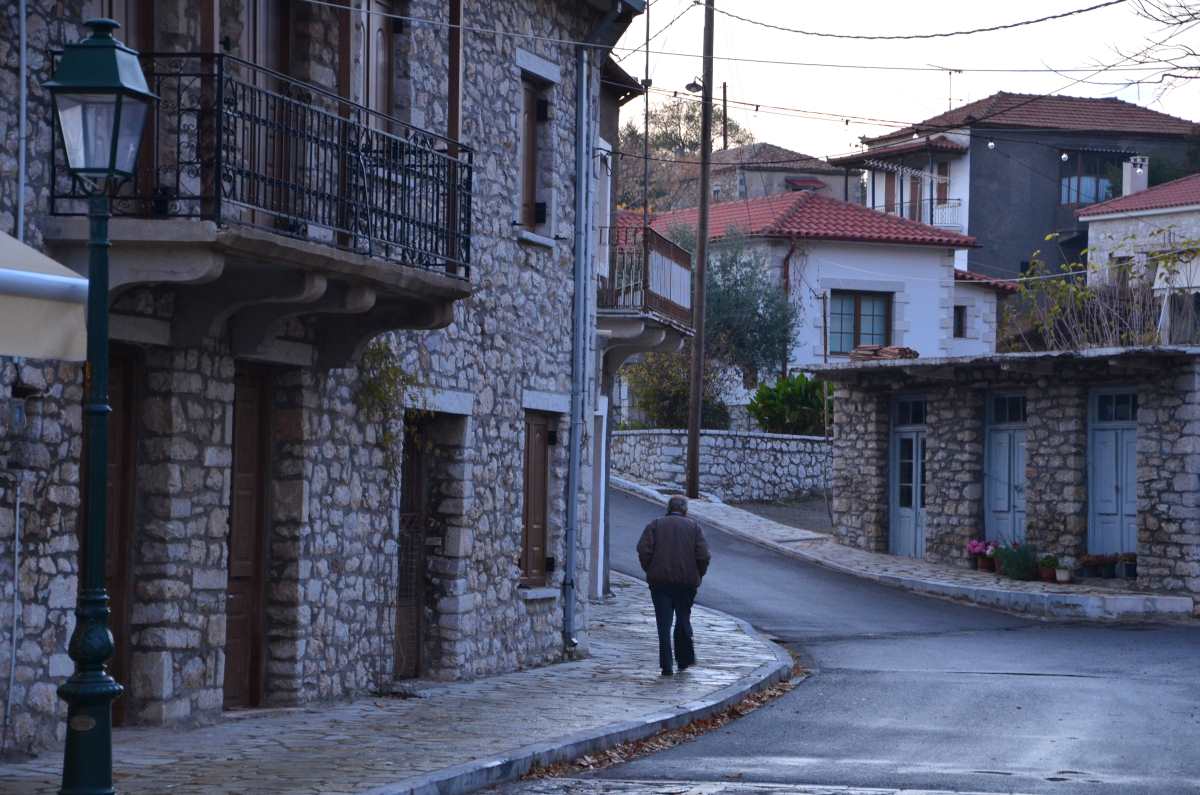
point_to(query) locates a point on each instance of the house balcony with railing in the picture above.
(267, 198)
(644, 297)
(943, 213)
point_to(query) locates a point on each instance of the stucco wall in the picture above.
(734, 465)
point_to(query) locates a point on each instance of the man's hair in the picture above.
(677, 505)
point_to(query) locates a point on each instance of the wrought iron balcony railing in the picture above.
(236, 143)
(946, 213)
(647, 273)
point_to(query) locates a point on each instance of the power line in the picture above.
(670, 53)
(661, 31)
(917, 36)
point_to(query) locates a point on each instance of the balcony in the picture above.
(645, 293)
(945, 214)
(255, 188)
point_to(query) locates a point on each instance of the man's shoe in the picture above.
(667, 672)
(683, 668)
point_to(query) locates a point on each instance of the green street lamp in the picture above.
(101, 100)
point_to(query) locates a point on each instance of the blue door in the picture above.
(1004, 469)
(906, 531)
(1112, 472)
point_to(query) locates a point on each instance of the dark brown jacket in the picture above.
(673, 551)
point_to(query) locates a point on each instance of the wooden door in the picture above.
(889, 192)
(414, 521)
(136, 18)
(244, 614)
(914, 198)
(536, 493)
(266, 143)
(119, 532)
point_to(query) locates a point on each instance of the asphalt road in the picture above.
(913, 692)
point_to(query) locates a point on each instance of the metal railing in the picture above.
(646, 273)
(947, 213)
(237, 143)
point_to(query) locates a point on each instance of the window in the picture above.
(943, 182)
(534, 110)
(960, 322)
(859, 319)
(910, 411)
(1008, 408)
(1121, 407)
(536, 498)
(1089, 177)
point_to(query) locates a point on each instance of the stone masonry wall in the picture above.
(736, 466)
(859, 470)
(954, 481)
(1056, 438)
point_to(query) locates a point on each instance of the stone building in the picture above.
(292, 520)
(1091, 452)
(752, 171)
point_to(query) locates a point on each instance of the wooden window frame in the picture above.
(889, 192)
(942, 189)
(534, 569)
(858, 295)
(531, 151)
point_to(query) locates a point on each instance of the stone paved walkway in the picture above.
(1049, 600)
(456, 736)
(588, 786)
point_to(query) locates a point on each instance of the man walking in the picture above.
(675, 557)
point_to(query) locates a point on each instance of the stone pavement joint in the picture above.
(459, 736)
(1038, 599)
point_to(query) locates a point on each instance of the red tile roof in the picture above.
(938, 143)
(808, 216)
(1176, 193)
(1081, 114)
(763, 156)
(987, 281)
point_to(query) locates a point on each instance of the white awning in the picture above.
(42, 305)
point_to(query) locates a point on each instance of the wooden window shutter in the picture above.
(536, 493)
(943, 182)
(529, 157)
(889, 192)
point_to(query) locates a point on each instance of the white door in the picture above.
(1112, 473)
(907, 502)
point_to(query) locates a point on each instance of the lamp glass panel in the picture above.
(87, 126)
(129, 137)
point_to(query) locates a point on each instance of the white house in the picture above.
(861, 277)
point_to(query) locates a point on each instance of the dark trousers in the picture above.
(674, 601)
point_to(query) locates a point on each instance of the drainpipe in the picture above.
(22, 124)
(599, 35)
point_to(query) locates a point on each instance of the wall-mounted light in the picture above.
(991, 144)
(696, 86)
(1064, 157)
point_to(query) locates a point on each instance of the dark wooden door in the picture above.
(118, 552)
(414, 521)
(244, 641)
(537, 471)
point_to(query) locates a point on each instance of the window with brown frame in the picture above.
(943, 182)
(534, 111)
(889, 192)
(960, 322)
(859, 318)
(536, 496)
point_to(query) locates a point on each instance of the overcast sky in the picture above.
(1095, 39)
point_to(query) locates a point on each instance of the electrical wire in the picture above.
(661, 31)
(919, 36)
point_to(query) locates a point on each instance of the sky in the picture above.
(1093, 40)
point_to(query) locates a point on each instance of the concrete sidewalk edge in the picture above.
(489, 771)
(1080, 606)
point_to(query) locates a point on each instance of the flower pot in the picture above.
(999, 566)
(1046, 574)
(1090, 570)
(974, 561)
(1108, 571)
(985, 563)
(1062, 575)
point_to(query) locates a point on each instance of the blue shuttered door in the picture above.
(1004, 474)
(1112, 473)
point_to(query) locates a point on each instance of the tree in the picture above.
(675, 127)
(660, 385)
(1177, 61)
(793, 405)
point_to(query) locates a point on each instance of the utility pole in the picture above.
(724, 115)
(697, 385)
(646, 136)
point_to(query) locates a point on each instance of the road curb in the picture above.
(1049, 606)
(493, 770)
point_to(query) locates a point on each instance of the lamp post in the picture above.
(101, 100)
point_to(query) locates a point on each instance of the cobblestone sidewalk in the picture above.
(1047, 600)
(582, 786)
(458, 736)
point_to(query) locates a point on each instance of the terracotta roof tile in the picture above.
(808, 216)
(971, 276)
(1082, 114)
(1176, 193)
(938, 143)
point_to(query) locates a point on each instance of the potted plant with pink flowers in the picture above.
(976, 551)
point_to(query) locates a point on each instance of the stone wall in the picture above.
(734, 465)
(954, 483)
(1056, 438)
(859, 468)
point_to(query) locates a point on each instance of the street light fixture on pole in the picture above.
(101, 101)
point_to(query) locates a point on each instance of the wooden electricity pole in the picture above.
(697, 385)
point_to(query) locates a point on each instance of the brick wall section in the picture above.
(1169, 483)
(1056, 439)
(734, 465)
(859, 471)
(954, 462)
